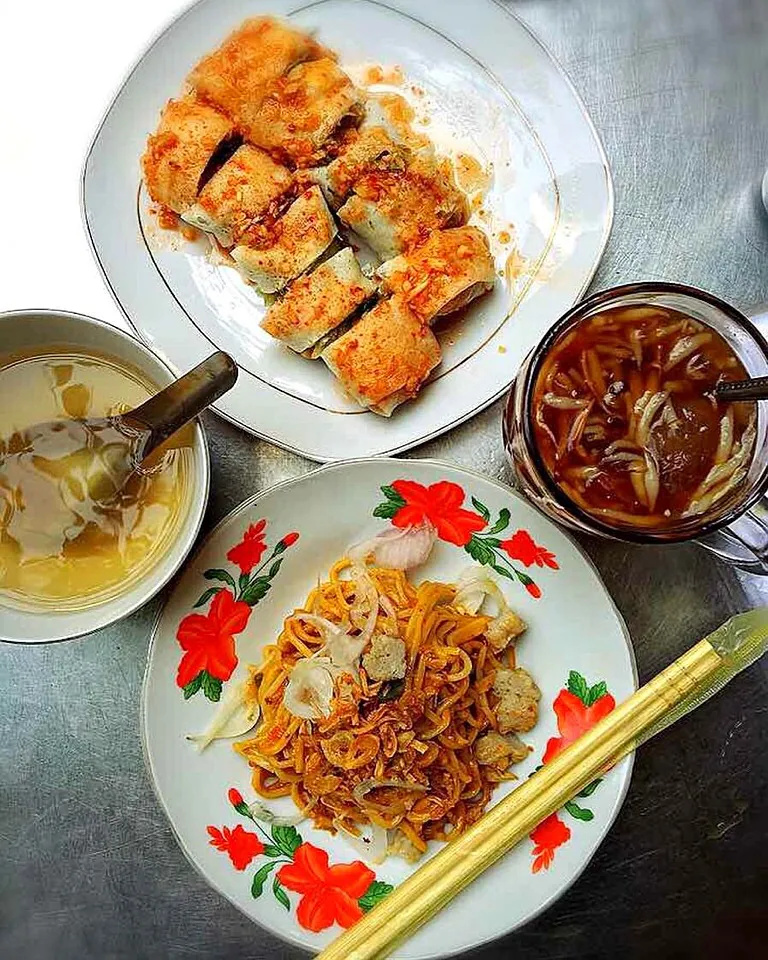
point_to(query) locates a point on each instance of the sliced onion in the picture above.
(648, 415)
(259, 812)
(684, 348)
(577, 427)
(624, 444)
(564, 403)
(366, 596)
(473, 586)
(387, 606)
(366, 786)
(310, 689)
(343, 649)
(370, 844)
(235, 715)
(398, 548)
(326, 628)
(651, 480)
(725, 444)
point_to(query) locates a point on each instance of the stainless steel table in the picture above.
(678, 90)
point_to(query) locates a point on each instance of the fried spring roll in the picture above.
(239, 74)
(442, 275)
(269, 256)
(395, 210)
(385, 357)
(319, 302)
(371, 147)
(187, 139)
(238, 193)
(303, 109)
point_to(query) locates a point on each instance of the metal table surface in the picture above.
(678, 90)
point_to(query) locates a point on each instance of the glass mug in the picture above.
(740, 534)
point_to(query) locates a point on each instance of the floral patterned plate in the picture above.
(259, 564)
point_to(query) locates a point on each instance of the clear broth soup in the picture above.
(627, 424)
(59, 547)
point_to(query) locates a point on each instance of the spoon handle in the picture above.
(753, 389)
(165, 413)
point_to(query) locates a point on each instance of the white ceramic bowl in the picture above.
(25, 329)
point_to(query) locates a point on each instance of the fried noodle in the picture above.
(399, 754)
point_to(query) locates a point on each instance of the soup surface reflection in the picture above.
(62, 542)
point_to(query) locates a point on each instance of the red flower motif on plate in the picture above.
(248, 553)
(209, 639)
(440, 504)
(577, 708)
(328, 894)
(521, 546)
(575, 718)
(241, 845)
(547, 837)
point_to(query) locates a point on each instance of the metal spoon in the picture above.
(106, 451)
(755, 388)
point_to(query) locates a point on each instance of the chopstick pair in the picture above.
(694, 677)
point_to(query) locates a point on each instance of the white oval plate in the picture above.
(489, 89)
(576, 639)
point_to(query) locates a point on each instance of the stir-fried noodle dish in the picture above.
(390, 711)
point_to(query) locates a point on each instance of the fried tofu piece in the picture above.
(385, 659)
(495, 749)
(187, 139)
(303, 109)
(318, 302)
(240, 73)
(238, 193)
(395, 210)
(518, 706)
(361, 154)
(442, 275)
(270, 256)
(385, 358)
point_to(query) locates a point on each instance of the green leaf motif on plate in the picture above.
(595, 692)
(193, 686)
(502, 523)
(374, 894)
(590, 788)
(211, 592)
(481, 508)
(256, 590)
(220, 575)
(580, 813)
(287, 839)
(280, 895)
(479, 550)
(260, 878)
(578, 686)
(211, 686)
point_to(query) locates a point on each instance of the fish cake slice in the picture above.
(269, 256)
(384, 359)
(188, 137)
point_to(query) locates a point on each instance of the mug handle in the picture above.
(744, 543)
